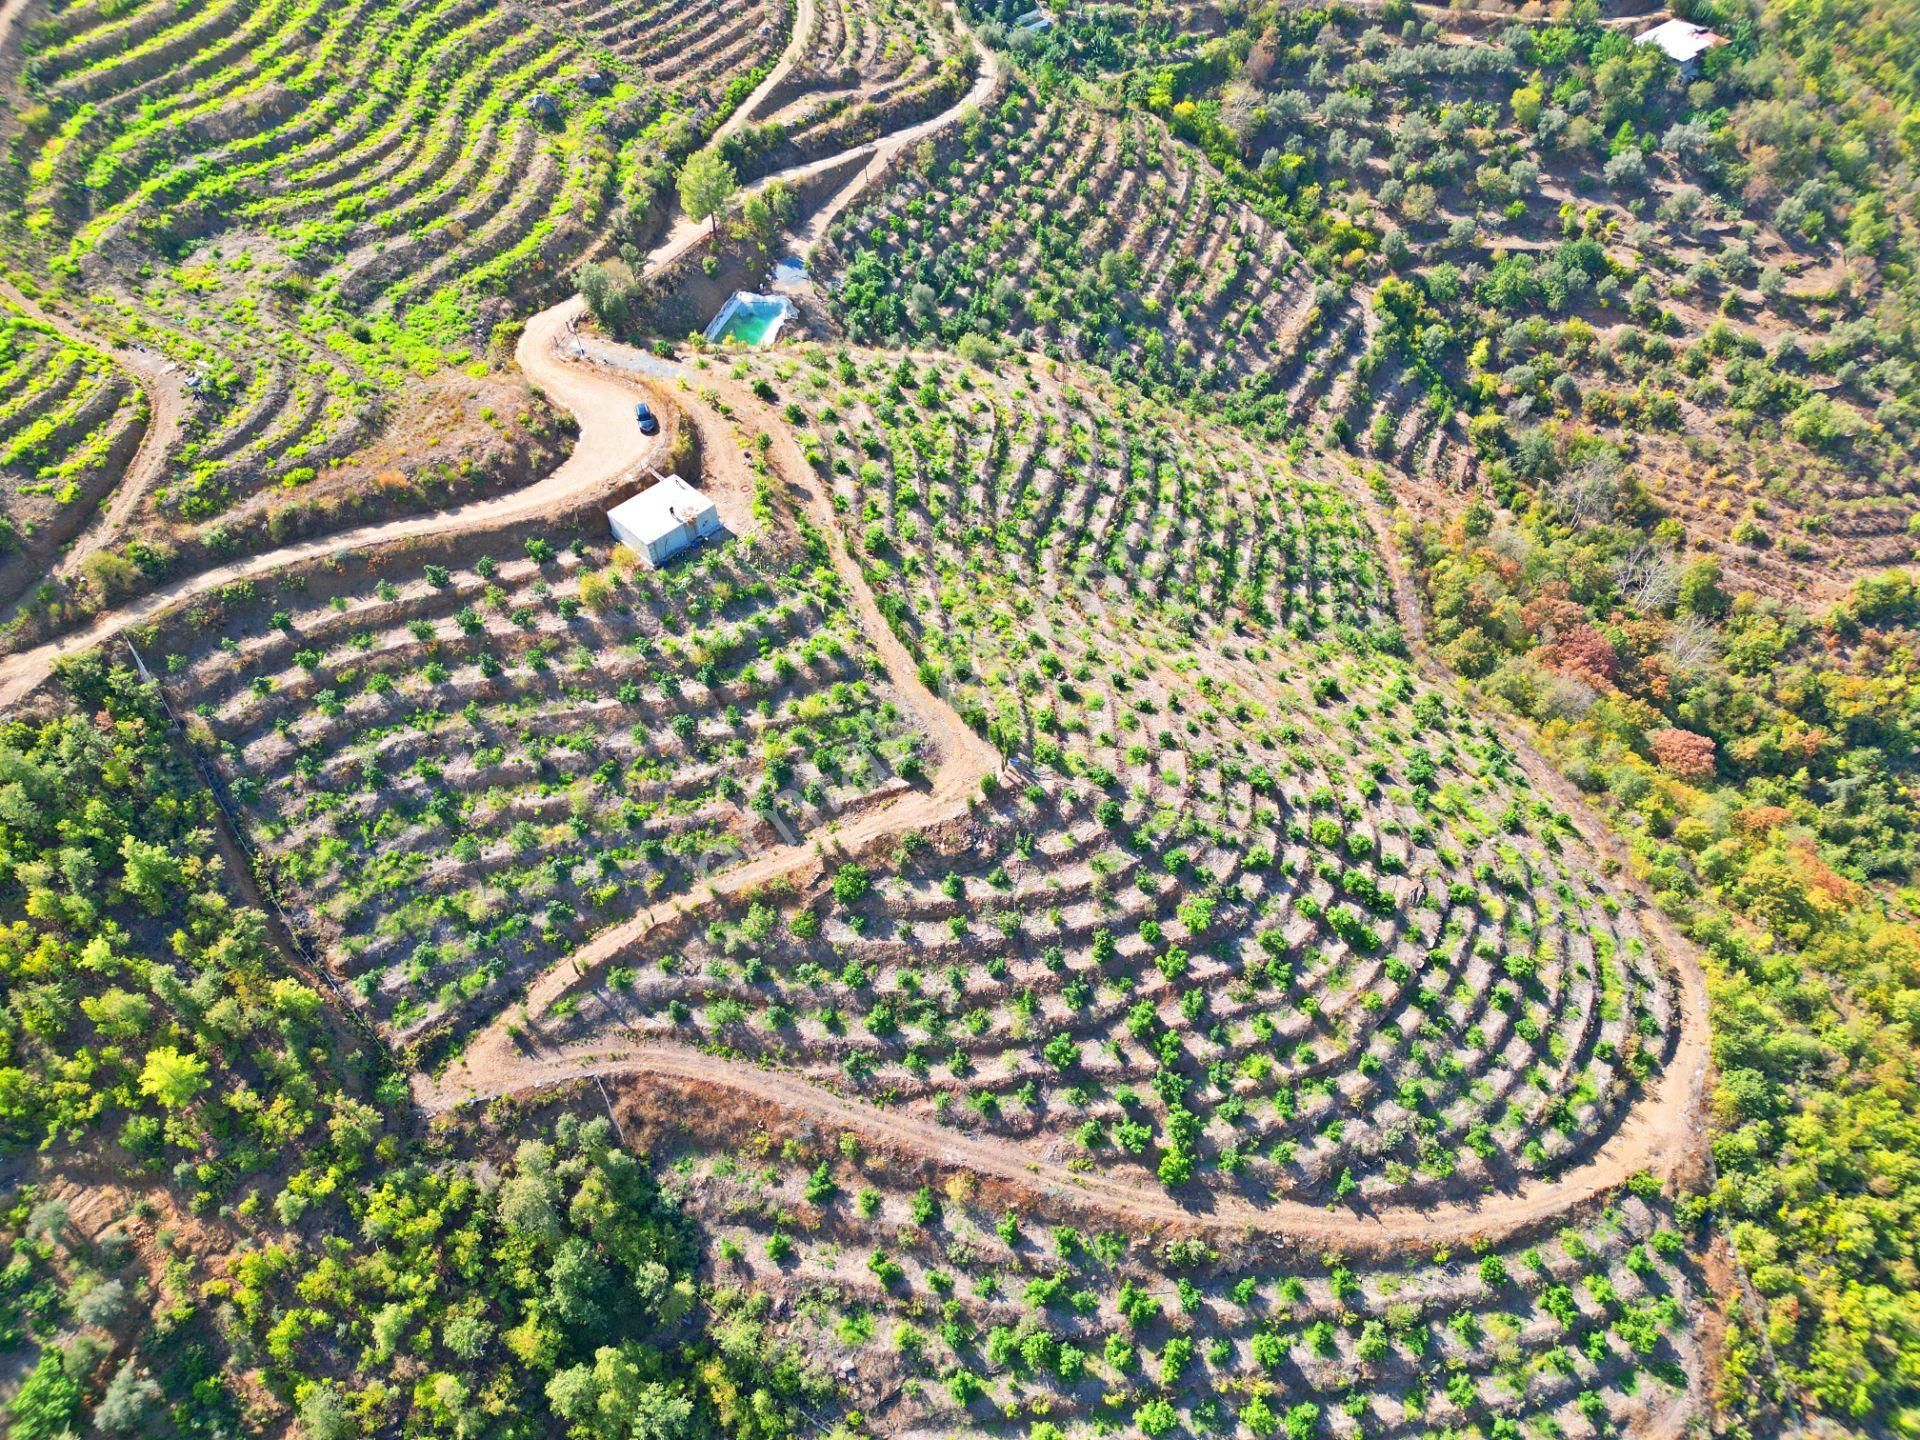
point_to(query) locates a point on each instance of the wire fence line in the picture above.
(258, 879)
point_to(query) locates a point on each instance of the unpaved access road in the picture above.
(609, 450)
(1641, 1144)
(162, 380)
(10, 13)
(164, 384)
(1660, 1134)
(805, 17)
(687, 233)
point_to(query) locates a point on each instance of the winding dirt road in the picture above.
(608, 452)
(806, 15)
(1660, 1134)
(10, 13)
(1638, 1145)
(164, 384)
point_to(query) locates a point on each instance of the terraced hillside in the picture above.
(457, 768)
(1009, 234)
(1100, 236)
(1725, 347)
(689, 47)
(1269, 917)
(868, 68)
(873, 42)
(1046, 949)
(1724, 352)
(70, 423)
(324, 213)
(956, 1305)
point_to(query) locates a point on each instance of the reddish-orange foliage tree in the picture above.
(1683, 753)
(1584, 653)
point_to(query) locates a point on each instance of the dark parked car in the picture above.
(649, 423)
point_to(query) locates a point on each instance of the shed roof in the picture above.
(661, 509)
(1681, 39)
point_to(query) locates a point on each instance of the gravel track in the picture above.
(1662, 1134)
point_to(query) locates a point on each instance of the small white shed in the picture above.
(1683, 42)
(664, 519)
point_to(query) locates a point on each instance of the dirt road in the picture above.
(986, 83)
(162, 380)
(1635, 1147)
(1449, 14)
(804, 19)
(165, 385)
(10, 13)
(493, 1063)
(609, 450)
(686, 233)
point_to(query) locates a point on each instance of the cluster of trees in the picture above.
(365, 1280)
(143, 1006)
(1689, 194)
(560, 1297)
(1765, 755)
(618, 290)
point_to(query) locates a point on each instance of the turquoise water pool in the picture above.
(752, 327)
(750, 319)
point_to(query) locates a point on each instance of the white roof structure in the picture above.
(1682, 40)
(663, 519)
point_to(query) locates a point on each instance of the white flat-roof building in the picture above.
(664, 519)
(1683, 42)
